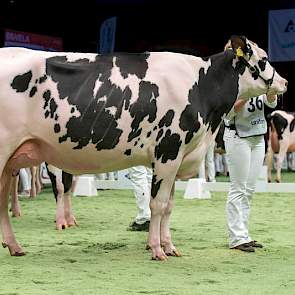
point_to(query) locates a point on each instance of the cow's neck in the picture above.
(212, 95)
(216, 91)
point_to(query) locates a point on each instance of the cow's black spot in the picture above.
(155, 186)
(153, 165)
(219, 138)
(46, 114)
(280, 124)
(145, 106)
(155, 128)
(135, 143)
(212, 96)
(76, 81)
(56, 117)
(142, 145)
(72, 110)
(56, 128)
(159, 135)
(168, 147)
(128, 152)
(36, 81)
(167, 119)
(33, 91)
(149, 134)
(47, 95)
(262, 64)
(20, 83)
(138, 67)
(42, 79)
(53, 107)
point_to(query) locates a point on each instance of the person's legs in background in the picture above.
(25, 182)
(140, 177)
(210, 163)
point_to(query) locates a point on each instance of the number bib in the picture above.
(250, 121)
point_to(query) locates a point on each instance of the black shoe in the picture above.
(245, 247)
(139, 227)
(255, 244)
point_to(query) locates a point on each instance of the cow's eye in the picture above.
(252, 69)
(262, 64)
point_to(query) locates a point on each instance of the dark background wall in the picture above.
(194, 27)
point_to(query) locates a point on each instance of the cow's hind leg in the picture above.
(6, 228)
(69, 186)
(55, 175)
(269, 160)
(280, 157)
(162, 183)
(166, 240)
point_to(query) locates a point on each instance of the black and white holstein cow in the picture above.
(90, 113)
(281, 140)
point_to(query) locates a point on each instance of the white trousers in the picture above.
(220, 163)
(25, 178)
(245, 159)
(209, 163)
(141, 178)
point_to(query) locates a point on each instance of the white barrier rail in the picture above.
(195, 188)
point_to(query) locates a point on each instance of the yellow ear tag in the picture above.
(239, 52)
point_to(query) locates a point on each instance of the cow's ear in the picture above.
(239, 45)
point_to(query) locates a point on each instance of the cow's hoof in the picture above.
(16, 214)
(14, 252)
(61, 223)
(174, 253)
(61, 226)
(160, 258)
(71, 221)
(18, 253)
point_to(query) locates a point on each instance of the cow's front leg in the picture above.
(162, 183)
(69, 216)
(158, 208)
(6, 228)
(166, 240)
(15, 206)
(280, 157)
(58, 189)
(269, 160)
(60, 220)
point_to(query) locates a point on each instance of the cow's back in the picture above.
(77, 105)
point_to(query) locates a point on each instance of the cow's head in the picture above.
(257, 75)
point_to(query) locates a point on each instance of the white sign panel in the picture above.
(281, 35)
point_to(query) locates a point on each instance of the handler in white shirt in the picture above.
(245, 151)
